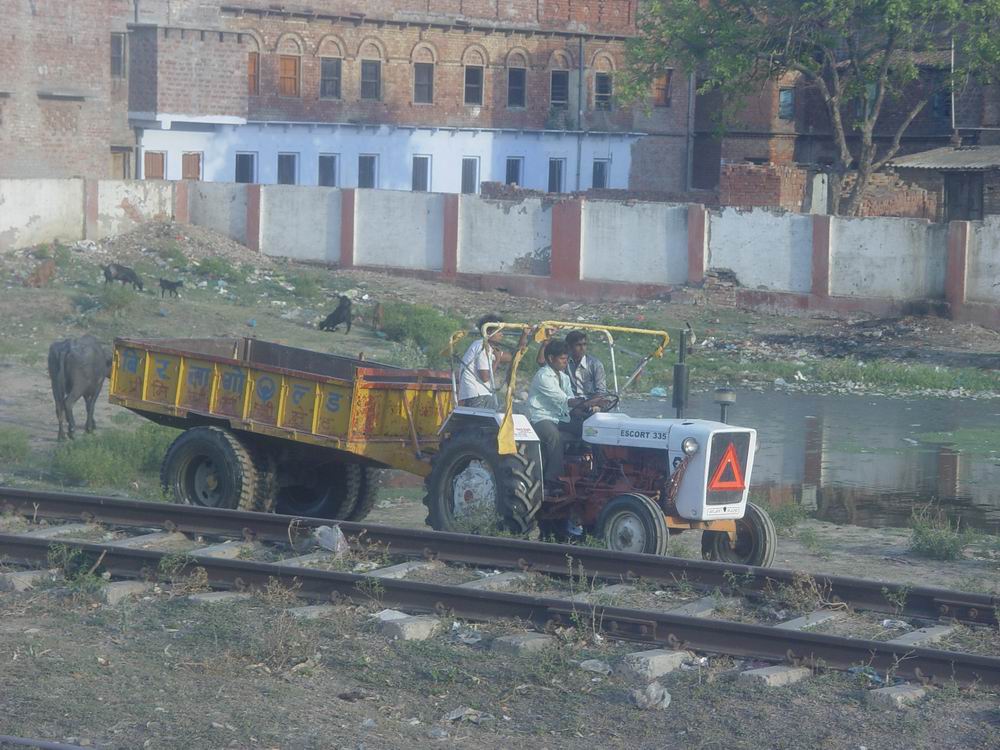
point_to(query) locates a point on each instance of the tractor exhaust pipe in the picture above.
(680, 396)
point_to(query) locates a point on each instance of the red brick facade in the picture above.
(60, 109)
(768, 185)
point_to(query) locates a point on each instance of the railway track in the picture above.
(558, 600)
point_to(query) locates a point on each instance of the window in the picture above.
(421, 174)
(253, 73)
(557, 168)
(367, 171)
(470, 175)
(602, 91)
(559, 89)
(661, 89)
(288, 75)
(329, 78)
(515, 165)
(191, 166)
(600, 177)
(371, 80)
(117, 55)
(328, 170)
(288, 168)
(121, 163)
(516, 87)
(786, 104)
(246, 168)
(154, 164)
(866, 103)
(473, 84)
(423, 83)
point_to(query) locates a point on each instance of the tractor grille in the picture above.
(727, 468)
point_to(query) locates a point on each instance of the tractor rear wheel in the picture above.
(756, 540)
(211, 467)
(329, 490)
(474, 490)
(633, 523)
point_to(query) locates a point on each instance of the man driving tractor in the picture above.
(586, 372)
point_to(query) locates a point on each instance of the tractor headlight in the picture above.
(689, 446)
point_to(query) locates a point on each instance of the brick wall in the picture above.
(200, 72)
(920, 195)
(59, 110)
(764, 185)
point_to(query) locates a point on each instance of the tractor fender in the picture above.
(466, 415)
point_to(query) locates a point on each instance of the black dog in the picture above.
(170, 287)
(124, 274)
(341, 315)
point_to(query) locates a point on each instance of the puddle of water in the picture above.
(861, 460)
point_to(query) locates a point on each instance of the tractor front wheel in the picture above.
(756, 540)
(633, 523)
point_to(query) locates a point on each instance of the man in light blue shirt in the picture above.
(550, 399)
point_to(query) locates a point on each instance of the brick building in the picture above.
(408, 94)
(63, 89)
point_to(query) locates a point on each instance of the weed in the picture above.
(684, 587)
(276, 594)
(935, 537)
(220, 268)
(803, 594)
(114, 458)
(171, 253)
(307, 285)
(738, 582)
(897, 598)
(786, 516)
(811, 540)
(280, 643)
(13, 445)
(77, 566)
(61, 254)
(182, 570)
(372, 589)
(116, 298)
(425, 326)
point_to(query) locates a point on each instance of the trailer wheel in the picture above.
(633, 523)
(756, 540)
(211, 467)
(473, 489)
(329, 490)
(368, 494)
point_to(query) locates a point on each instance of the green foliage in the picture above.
(785, 517)
(307, 285)
(116, 298)
(861, 57)
(220, 268)
(172, 254)
(13, 445)
(113, 458)
(78, 567)
(935, 536)
(424, 326)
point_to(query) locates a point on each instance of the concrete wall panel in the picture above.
(34, 211)
(504, 236)
(888, 258)
(983, 262)
(219, 206)
(641, 243)
(399, 229)
(300, 222)
(765, 249)
(122, 205)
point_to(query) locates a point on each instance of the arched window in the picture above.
(289, 49)
(372, 53)
(604, 69)
(517, 79)
(331, 67)
(559, 66)
(423, 57)
(475, 61)
(253, 63)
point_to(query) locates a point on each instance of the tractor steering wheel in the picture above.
(604, 401)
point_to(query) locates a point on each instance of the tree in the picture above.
(858, 55)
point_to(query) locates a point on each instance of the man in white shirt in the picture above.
(479, 366)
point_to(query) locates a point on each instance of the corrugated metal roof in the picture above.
(965, 158)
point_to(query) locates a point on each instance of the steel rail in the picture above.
(660, 628)
(552, 559)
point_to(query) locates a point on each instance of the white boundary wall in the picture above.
(503, 236)
(640, 243)
(983, 272)
(220, 206)
(301, 223)
(399, 229)
(36, 211)
(766, 250)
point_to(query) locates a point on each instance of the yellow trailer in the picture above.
(304, 430)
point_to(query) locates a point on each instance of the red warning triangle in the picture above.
(732, 462)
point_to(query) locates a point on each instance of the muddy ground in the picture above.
(164, 673)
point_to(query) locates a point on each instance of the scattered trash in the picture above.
(465, 635)
(654, 697)
(896, 625)
(252, 322)
(368, 723)
(357, 694)
(332, 538)
(780, 382)
(658, 392)
(467, 714)
(595, 665)
(437, 733)
(389, 614)
(799, 376)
